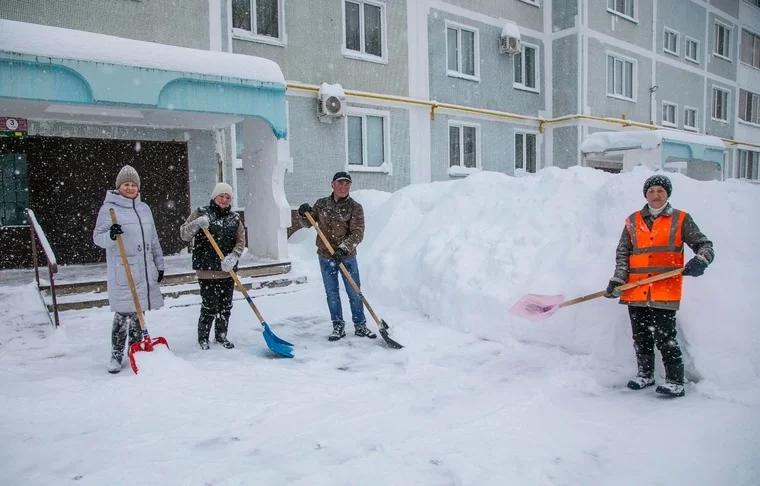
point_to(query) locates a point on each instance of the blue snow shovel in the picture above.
(279, 346)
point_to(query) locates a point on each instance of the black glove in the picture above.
(695, 267)
(611, 293)
(116, 230)
(303, 209)
(339, 254)
(160, 276)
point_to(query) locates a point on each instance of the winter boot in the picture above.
(222, 339)
(204, 345)
(363, 331)
(114, 366)
(204, 329)
(339, 331)
(673, 381)
(641, 381)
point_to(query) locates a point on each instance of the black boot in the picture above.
(204, 329)
(645, 376)
(339, 331)
(673, 381)
(220, 330)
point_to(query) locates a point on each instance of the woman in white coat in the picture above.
(146, 260)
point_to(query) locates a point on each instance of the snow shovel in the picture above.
(381, 324)
(535, 307)
(279, 346)
(147, 343)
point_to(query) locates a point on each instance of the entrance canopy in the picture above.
(54, 73)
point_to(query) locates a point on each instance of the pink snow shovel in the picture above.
(535, 307)
(147, 343)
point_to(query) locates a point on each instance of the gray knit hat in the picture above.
(658, 180)
(128, 174)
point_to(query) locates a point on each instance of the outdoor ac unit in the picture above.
(331, 102)
(509, 45)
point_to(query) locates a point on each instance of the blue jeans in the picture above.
(330, 272)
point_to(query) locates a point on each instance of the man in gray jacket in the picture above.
(146, 260)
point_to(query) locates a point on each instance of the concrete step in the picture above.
(257, 286)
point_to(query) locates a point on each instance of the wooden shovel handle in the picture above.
(653, 278)
(233, 274)
(343, 269)
(128, 271)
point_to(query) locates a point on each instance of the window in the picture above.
(365, 29)
(462, 51)
(464, 145)
(690, 118)
(749, 107)
(260, 18)
(367, 139)
(620, 75)
(756, 3)
(15, 189)
(526, 151)
(670, 41)
(669, 111)
(692, 50)
(626, 8)
(719, 104)
(747, 166)
(722, 41)
(525, 68)
(750, 53)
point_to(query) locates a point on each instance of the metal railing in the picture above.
(39, 236)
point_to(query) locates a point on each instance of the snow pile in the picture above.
(463, 252)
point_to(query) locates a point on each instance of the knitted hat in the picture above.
(342, 176)
(128, 174)
(658, 180)
(221, 188)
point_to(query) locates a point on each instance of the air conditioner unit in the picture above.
(510, 45)
(331, 102)
(509, 41)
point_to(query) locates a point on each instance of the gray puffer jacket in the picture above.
(143, 252)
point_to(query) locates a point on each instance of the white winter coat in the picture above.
(143, 252)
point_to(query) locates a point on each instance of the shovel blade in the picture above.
(384, 333)
(279, 346)
(535, 307)
(145, 345)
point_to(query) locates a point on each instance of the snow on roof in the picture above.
(56, 42)
(510, 30)
(643, 139)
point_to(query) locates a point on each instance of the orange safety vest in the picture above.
(655, 251)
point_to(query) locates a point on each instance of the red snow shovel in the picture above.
(535, 307)
(147, 343)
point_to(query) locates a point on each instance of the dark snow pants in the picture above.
(656, 327)
(216, 306)
(123, 321)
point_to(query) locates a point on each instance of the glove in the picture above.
(160, 276)
(303, 209)
(229, 262)
(116, 230)
(338, 255)
(695, 267)
(612, 292)
(200, 222)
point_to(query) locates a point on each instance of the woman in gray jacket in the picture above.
(146, 260)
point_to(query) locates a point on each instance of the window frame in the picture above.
(387, 165)
(687, 40)
(536, 67)
(753, 100)
(685, 118)
(362, 55)
(532, 2)
(18, 187)
(249, 35)
(727, 104)
(476, 50)
(727, 40)
(524, 133)
(755, 49)
(634, 75)
(666, 32)
(745, 154)
(669, 105)
(459, 170)
(634, 18)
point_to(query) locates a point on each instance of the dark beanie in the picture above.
(658, 180)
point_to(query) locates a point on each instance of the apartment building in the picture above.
(433, 90)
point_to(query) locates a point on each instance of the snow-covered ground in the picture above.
(476, 396)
